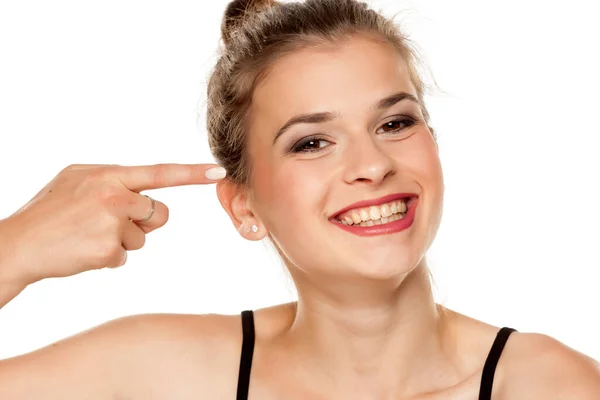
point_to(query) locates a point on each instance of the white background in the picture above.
(120, 82)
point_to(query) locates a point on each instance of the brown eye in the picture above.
(396, 125)
(310, 144)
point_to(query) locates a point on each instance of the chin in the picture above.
(384, 266)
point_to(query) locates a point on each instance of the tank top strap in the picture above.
(246, 357)
(489, 368)
(487, 377)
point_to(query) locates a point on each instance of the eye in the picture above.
(397, 125)
(309, 145)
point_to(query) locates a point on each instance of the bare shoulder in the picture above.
(165, 355)
(177, 355)
(538, 366)
(196, 356)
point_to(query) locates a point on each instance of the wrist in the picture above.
(10, 275)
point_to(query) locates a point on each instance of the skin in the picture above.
(366, 316)
(365, 325)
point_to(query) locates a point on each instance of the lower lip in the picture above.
(383, 229)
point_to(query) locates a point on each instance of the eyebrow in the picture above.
(320, 117)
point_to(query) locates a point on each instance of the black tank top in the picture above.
(487, 377)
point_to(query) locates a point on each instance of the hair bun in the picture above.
(237, 12)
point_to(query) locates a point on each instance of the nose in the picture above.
(366, 161)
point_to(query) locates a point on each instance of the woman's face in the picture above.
(362, 149)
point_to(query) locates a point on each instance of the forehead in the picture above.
(344, 77)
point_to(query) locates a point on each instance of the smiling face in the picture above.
(368, 139)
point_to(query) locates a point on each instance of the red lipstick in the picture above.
(390, 227)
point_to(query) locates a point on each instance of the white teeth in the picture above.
(377, 214)
(385, 210)
(374, 213)
(364, 215)
(391, 218)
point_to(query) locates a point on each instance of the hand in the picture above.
(87, 218)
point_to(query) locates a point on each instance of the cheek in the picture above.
(427, 169)
(289, 191)
(423, 158)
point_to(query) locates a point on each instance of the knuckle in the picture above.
(130, 201)
(111, 252)
(111, 227)
(109, 197)
(115, 225)
(98, 173)
(91, 179)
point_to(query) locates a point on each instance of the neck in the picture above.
(373, 337)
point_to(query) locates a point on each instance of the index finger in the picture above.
(144, 177)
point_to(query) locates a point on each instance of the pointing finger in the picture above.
(145, 177)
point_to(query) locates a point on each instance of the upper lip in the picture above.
(374, 202)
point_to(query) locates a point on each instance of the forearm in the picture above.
(10, 284)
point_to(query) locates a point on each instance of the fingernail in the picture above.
(215, 173)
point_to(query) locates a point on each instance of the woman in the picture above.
(316, 113)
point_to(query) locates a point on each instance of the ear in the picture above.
(234, 200)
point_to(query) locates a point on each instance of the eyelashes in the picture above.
(404, 122)
(309, 144)
(315, 143)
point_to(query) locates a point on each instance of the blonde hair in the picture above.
(255, 34)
